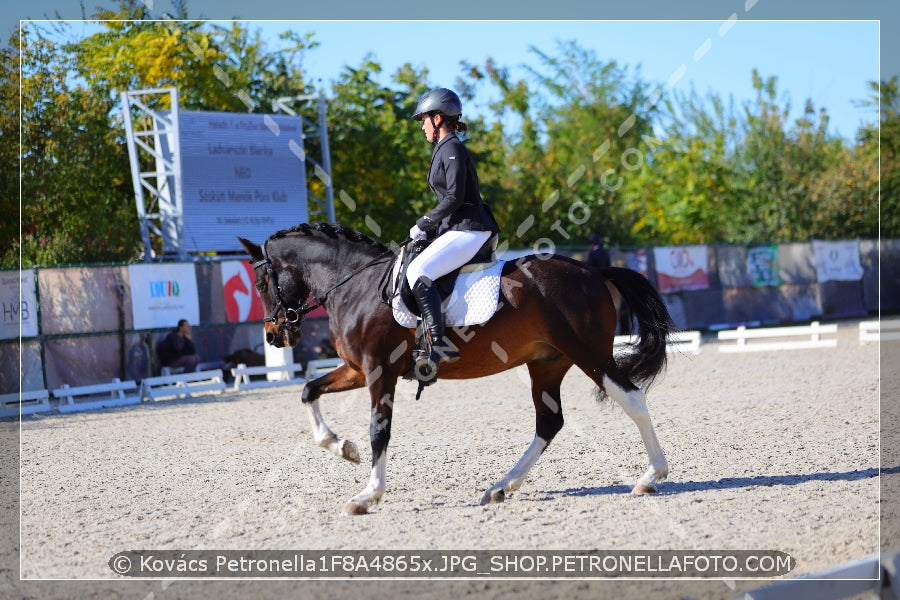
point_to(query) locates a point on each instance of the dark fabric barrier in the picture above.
(84, 299)
(86, 320)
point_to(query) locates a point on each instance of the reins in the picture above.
(293, 316)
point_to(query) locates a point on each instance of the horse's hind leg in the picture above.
(546, 378)
(632, 400)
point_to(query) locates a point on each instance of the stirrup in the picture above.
(425, 367)
(426, 364)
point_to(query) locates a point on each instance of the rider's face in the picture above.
(428, 128)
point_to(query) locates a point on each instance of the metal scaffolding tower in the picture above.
(151, 119)
(153, 142)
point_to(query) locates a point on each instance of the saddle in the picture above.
(484, 258)
(469, 295)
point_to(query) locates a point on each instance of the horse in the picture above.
(554, 313)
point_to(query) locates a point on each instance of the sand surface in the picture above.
(772, 450)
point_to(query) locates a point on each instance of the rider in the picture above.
(461, 222)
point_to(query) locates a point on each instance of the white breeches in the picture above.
(449, 251)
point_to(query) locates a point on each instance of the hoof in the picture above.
(354, 508)
(643, 488)
(493, 497)
(349, 452)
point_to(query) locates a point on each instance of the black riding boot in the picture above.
(441, 350)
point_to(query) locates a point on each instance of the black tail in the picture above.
(647, 358)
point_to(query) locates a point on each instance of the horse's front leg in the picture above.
(339, 380)
(381, 388)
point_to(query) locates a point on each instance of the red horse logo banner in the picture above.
(242, 301)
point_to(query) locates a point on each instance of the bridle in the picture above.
(294, 316)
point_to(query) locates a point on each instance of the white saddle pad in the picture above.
(474, 299)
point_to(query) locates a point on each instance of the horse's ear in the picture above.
(252, 249)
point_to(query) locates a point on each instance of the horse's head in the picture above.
(283, 294)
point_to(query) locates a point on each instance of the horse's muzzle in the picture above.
(274, 339)
(279, 336)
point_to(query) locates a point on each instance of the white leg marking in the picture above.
(361, 502)
(515, 477)
(327, 438)
(635, 406)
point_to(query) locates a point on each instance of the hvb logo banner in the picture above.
(161, 295)
(18, 305)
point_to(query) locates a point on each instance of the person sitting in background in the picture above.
(177, 348)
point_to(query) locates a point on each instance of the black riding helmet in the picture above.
(439, 100)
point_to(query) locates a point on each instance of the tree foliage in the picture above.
(729, 176)
(576, 146)
(583, 127)
(377, 158)
(887, 98)
(75, 177)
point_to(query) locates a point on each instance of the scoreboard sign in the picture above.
(241, 174)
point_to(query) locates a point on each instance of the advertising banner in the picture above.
(242, 175)
(636, 261)
(837, 261)
(18, 302)
(681, 268)
(762, 266)
(163, 294)
(242, 301)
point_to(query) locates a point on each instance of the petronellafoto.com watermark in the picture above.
(456, 563)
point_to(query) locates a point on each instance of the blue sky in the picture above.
(830, 62)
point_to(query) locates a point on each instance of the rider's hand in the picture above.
(416, 234)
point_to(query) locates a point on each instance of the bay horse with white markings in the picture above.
(554, 313)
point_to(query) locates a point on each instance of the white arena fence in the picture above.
(186, 385)
(877, 331)
(679, 341)
(170, 386)
(780, 338)
(876, 577)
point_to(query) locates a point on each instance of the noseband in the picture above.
(292, 316)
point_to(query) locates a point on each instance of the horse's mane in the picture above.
(332, 231)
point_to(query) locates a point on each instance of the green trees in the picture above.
(686, 190)
(601, 150)
(889, 102)
(728, 176)
(214, 67)
(784, 169)
(577, 146)
(75, 203)
(584, 128)
(77, 200)
(378, 161)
